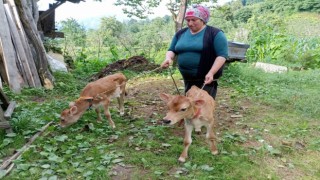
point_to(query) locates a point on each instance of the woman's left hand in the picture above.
(209, 78)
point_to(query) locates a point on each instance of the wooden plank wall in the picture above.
(17, 66)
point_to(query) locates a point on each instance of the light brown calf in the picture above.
(95, 94)
(197, 110)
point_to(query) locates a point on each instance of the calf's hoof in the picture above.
(182, 159)
(215, 152)
(121, 113)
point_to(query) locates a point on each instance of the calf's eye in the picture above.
(183, 109)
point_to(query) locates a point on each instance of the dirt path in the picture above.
(144, 102)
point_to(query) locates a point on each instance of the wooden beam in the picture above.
(4, 125)
(9, 110)
(50, 10)
(7, 162)
(13, 77)
(55, 35)
(22, 57)
(25, 45)
(34, 38)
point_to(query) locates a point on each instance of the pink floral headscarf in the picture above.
(198, 11)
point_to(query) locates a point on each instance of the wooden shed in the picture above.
(47, 23)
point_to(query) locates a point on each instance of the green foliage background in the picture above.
(282, 32)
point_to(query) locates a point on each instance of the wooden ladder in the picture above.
(6, 110)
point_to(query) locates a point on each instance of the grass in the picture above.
(293, 90)
(276, 138)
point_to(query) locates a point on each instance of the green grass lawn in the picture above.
(276, 136)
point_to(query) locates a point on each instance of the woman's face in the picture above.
(195, 24)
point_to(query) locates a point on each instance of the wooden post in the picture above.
(34, 38)
(11, 73)
(4, 124)
(22, 57)
(25, 44)
(9, 161)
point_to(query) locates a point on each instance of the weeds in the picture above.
(289, 91)
(273, 131)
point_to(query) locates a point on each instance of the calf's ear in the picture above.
(73, 110)
(164, 97)
(71, 104)
(199, 102)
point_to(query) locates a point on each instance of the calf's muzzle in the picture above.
(166, 121)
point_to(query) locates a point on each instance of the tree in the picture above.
(244, 2)
(74, 36)
(253, 1)
(226, 13)
(138, 8)
(141, 8)
(110, 28)
(30, 27)
(243, 14)
(150, 39)
(94, 42)
(308, 5)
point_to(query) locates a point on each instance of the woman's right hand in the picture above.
(166, 63)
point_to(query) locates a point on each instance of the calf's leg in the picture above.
(121, 99)
(187, 142)
(121, 104)
(99, 119)
(108, 115)
(212, 139)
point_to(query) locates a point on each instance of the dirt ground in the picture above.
(143, 92)
(144, 102)
(143, 98)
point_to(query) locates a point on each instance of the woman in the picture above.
(201, 51)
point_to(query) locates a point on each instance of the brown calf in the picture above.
(95, 94)
(197, 110)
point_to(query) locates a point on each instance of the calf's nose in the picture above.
(166, 121)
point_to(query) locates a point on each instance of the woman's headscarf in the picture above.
(198, 11)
